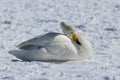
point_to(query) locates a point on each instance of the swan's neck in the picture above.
(85, 45)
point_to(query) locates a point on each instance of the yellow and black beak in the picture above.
(75, 38)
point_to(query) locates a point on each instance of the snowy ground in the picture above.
(98, 20)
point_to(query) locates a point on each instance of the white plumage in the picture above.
(55, 46)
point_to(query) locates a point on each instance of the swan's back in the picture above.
(43, 40)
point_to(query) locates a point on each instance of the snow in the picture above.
(98, 20)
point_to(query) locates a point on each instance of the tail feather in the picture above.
(20, 54)
(32, 55)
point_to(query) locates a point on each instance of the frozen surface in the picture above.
(98, 20)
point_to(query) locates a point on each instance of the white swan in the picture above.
(55, 46)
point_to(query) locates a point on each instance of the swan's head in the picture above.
(85, 47)
(69, 31)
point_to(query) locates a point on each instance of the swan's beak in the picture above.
(75, 37)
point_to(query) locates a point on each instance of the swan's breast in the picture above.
(61, 46)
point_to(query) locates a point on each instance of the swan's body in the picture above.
(54, 46)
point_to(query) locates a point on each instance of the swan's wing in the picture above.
(31, 42)
(39, 40)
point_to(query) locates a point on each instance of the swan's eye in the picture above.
(71, 32)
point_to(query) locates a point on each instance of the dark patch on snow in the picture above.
(81, 27)
(46, 30)
(110, 29)
(8, 78)
(78, 76)
(14, 60)
(46, 21)
(40, 79)
(47, 61)
(2, 47)
(118, 67)
(91, 18)
(7, 22)
(27, 6)
(95, 4)
(106, 78)
(117, 6)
